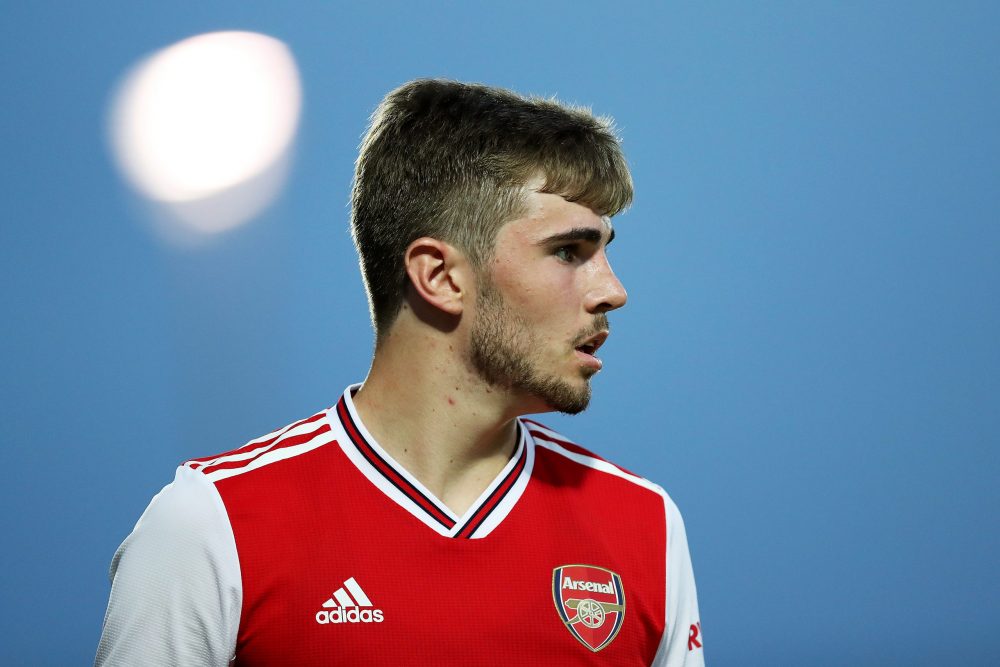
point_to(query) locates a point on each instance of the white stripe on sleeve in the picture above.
(678, 648)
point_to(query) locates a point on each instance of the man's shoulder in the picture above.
(288, 442)
(572, 459)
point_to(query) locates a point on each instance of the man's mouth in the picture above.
(588, 349)
(591, 345)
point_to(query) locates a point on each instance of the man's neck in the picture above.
(437, 418)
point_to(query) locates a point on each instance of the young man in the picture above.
(422, 520)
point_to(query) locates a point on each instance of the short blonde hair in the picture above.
(450, 160)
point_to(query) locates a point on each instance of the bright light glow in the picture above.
(204, 117)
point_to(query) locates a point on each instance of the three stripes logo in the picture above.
(349, 604)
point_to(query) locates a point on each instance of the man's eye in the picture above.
(566, 253)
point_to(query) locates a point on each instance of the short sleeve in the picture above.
(681, 645)
(176, 590)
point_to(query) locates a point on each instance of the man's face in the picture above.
(542, 302)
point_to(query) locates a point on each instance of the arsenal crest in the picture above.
(591, 603)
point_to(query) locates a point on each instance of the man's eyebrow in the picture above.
(588, 234)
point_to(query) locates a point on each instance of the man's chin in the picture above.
(572, 408)
(566, 398)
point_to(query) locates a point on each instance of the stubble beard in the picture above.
(503, 350)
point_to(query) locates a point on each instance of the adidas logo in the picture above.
(349, 605)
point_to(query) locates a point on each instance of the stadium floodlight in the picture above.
(202, 118)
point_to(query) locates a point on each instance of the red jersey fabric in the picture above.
(346, 559)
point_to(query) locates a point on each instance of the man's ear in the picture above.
(439, 272)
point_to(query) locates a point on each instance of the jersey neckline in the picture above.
(482, 517)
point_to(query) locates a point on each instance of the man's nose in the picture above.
(608, 293)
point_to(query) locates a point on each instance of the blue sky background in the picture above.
(809, 361)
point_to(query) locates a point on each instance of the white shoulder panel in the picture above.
(681, 645)
(176, 591)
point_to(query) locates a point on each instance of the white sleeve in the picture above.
(176, 591)
(681, 645)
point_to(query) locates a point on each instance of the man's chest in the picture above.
(355, 581)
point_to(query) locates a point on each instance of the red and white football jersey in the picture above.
(312, 546)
